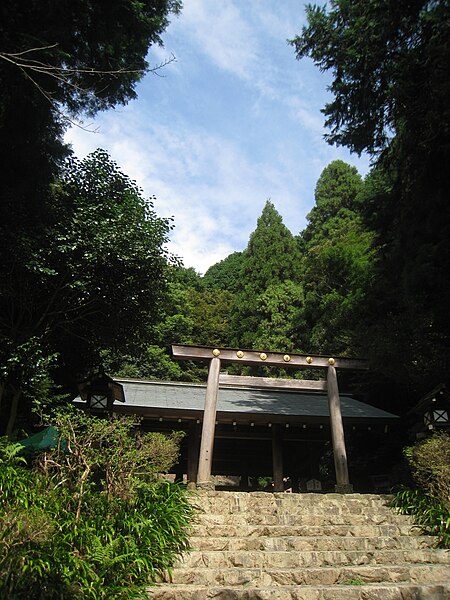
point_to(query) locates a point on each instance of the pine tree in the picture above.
(270, 280)
(337, 260)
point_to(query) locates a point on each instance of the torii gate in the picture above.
(216, 356)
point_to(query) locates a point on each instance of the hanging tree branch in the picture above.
(62, 73)
(31, 67)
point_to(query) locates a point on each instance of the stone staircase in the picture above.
(305, 547)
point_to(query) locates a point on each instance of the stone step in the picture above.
(299, 544)
(316, 576)
(292, 519)
(232, 502)
(363, 530)
(305, 547)
(398, 591)
(293, 560)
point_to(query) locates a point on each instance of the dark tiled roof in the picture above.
(167, 396)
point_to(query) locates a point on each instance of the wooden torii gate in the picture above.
(217, 356)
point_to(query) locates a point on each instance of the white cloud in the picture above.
(204, 181)
(220, 32)
(213, 166)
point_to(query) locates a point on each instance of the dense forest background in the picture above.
(86, 284)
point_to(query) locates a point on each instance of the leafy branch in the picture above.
(31, 67)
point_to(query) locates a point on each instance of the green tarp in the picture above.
(45, 439)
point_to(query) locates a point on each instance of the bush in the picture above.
(91, 519)
(430, 465)
(429, 503)
(429, 513)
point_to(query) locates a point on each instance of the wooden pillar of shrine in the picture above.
(209, 425)
(277, 457)
(337, 434)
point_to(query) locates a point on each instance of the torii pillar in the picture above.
(209, 424)
(343, 485)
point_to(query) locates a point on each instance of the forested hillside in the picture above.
(321, 291)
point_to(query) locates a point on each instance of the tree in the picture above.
(210, 312)
(225, 275)
(59, 60)
(271, 255)
(92, 278)
(279, 309)
(337, 261)
(336, 196)
(191, 314)
(270, 275)
(403, 324)
(390, 61)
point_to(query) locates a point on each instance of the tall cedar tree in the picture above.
(337, 261)
(390, 61)
(270, 267)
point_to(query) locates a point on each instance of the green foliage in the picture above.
(429, 504)
(271, 255)
(263, 482)
(94, 54)
(387, 58)
(278, 309)
(210, 312)
(192, 314)
(112, 258)
(337, 196)
(403, 324)
(152, 363)
(269, 284)
(91, 521)
(431, 515)
(337, 261)
(60, 60)
(93, 280)
(226, 274)
(430, 465)
(124, 456)
(355, 581)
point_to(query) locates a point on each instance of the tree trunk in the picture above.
(13, 412)
(2, 389)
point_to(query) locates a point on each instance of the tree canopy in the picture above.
(84, 56)
(58, 60)
(82, 253)
(92, 277)
(389, 62)
(269, 273)
(336, 260)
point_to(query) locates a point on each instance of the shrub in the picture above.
(431, 515)
(430, 465)
(91, 519)
(429, 503)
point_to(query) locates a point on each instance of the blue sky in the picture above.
(234, 121)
